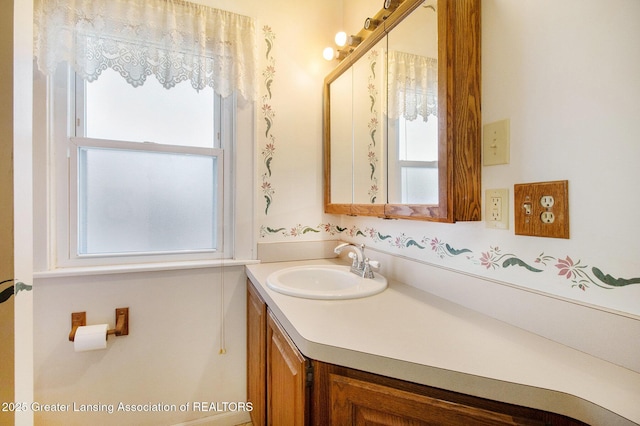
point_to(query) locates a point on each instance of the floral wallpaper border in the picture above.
(372, 156)
(269, 114)
(580, 276)
(13, 289)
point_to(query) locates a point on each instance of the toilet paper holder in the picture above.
(79, 319)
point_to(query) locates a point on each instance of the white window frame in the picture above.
(66, 131)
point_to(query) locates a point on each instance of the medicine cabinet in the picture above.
(402, 116)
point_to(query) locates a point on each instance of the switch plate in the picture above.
(496, 143)
(497, 208)
(541, 209)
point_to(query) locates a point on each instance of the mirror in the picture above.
(412, 108)
(397, 143)
(342, 158)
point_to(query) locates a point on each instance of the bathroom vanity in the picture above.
(404, 355)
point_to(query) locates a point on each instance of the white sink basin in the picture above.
(324, 282)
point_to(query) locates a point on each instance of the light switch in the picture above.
(496, 143)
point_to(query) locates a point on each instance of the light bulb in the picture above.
(328, 53)
(371, 24)
(341, 38)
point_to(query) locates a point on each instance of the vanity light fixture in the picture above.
(342, 40)
(341, 54)
(391, 4)
(328, 53)
(371, 24)
(346, 44)
(353, 41)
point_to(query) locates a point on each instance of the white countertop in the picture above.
(412, 335)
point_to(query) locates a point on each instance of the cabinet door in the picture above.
(286, 379)
(256, 355)
(356, 402)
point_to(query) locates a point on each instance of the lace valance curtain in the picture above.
(413, 86)
(173, 40)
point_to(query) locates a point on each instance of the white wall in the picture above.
(565, 74)
(179, 322)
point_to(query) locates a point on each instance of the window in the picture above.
(146, 169)
(137, 164)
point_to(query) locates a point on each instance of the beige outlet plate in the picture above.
(541, 209)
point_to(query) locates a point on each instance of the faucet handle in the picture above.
(354, 258)
(373, 263)
(367, 272)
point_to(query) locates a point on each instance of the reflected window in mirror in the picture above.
(412, 83)
(413, 164)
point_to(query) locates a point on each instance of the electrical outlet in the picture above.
(547, 217)
(547, 201)
(542, 209)
(497, 208)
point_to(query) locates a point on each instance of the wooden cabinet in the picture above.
(357, 402)
(277, 384)
(345, 396)
(256, 355)
(286, 388)
(351, 397)
(287, 391)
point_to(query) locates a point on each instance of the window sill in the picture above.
(142, 267)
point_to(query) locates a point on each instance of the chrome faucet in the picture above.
(360, 265)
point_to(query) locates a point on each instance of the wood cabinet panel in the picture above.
(256, 355)
(286, 379)
(355, 402)
(345, 396)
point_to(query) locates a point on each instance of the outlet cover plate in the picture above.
(531, 212)
(497, 208)
(495, 145)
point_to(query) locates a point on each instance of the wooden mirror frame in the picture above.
(459, 119)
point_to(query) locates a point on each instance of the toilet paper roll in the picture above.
(91, 338)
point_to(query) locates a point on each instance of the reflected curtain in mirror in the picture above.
(413, 86)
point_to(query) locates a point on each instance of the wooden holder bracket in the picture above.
(79, 319)
(122, 323)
